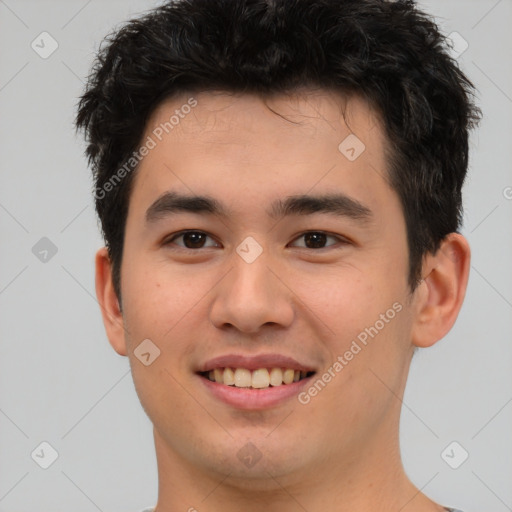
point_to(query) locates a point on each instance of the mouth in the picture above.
(260, 378)
(254, 382)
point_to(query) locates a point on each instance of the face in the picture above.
(257, 276)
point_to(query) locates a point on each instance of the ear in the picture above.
(441, 292)
(110, 310)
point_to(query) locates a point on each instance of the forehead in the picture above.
(276, 145)
(234, 117)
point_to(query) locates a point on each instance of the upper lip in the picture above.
(254, 362)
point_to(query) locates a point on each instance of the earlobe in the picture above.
(441, 292)
(109, 304)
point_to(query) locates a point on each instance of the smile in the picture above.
(260, 378)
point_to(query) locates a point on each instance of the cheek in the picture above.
(344, 299)
(364, 313)
(156, 297)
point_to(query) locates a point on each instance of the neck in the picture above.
(369, 477)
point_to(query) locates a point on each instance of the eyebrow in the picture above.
(337, 204)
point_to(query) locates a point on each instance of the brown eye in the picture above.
(191, 239)
(317, 240)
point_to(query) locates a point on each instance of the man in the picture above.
(279, 187)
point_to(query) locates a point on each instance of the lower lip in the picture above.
(254, 399)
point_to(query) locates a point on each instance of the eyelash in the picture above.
(340, 239)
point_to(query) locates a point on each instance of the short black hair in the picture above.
(388, 52)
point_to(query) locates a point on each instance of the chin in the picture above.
(257, 465)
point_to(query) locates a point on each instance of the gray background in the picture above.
(61, 382)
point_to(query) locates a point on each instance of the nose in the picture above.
(251, 296)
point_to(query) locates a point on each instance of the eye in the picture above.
(317, 239)
(191, 239)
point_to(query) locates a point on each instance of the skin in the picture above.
(340, 451)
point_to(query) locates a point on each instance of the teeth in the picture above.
(242, 378)
(258, 379)
(228, 377)
(276, 377)
(219, 375)
(288, 375)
